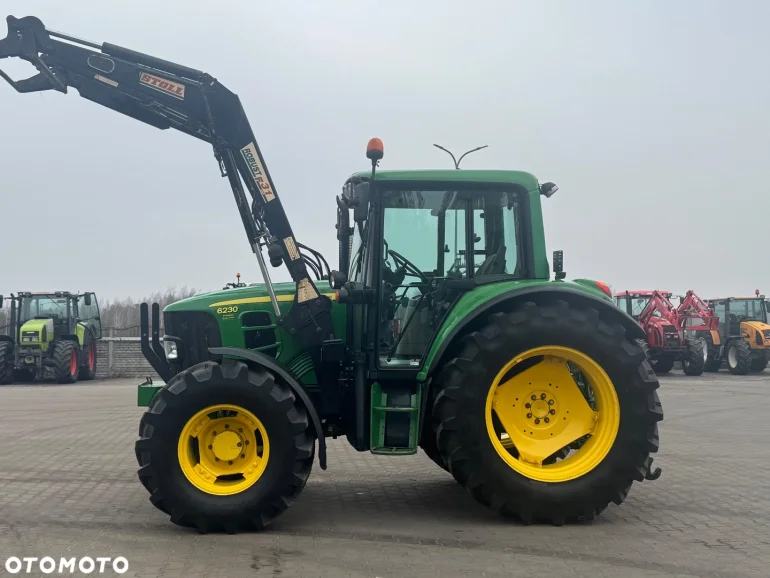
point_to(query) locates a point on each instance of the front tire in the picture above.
(477, 399)
(738, 357)
(694, 361)
(65, 361)
(759, 360)
(201, 479)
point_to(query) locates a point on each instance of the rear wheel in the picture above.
(548, 413)
(65, 361)
(695, 357)
(224, 448)
(6, 362)
(738, 357)
(88, 363)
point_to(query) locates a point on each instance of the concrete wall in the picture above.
(127, 359)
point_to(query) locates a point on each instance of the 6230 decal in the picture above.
(228, 309)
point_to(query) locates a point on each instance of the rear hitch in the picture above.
(651, 475)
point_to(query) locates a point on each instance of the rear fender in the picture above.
(541, 296)
(256, 358)
(69, 337)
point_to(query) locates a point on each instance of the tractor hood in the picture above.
(36, 331)
(761, 328)
(256, 293)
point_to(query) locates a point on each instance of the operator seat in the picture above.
(493, 265)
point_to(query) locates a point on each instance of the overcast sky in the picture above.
(652, 117)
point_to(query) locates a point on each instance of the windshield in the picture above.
(748, 309)
(42, 306)
(430, 230)
(637, 304)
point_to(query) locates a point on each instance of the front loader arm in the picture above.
(168, 95)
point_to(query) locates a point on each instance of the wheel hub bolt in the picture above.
(214, 433)
(211, 447)
(527, 405)
(546, 420)
(216, 459)
(550, 402)
(246, 442)
(243, 456)
(227, 426)
(552, 412)
(542, 396)
(529, 415)
(240, 430)
(537, 421)
(534, 397)
(239, 444)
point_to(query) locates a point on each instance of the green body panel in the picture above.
(146, 392)
(37, 325)
(230, 305)
(472, 300)
(80, 332)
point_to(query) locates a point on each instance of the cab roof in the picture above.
(524, 179)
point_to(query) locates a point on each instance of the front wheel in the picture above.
(548, 413)
(695, 356)
(224, 448)
(65, 361)
(738, 357)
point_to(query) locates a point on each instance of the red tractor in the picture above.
(666, 342)
(699, 321)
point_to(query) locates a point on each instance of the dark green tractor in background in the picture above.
(55, 331)
(441, 329)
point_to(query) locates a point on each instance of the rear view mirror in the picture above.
(361, 202)
(88, 300)
(1, 301)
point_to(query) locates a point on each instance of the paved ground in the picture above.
(68, 488)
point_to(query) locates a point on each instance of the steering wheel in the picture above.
(411, 269)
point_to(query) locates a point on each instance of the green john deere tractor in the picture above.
(441, 329)
(57, 331)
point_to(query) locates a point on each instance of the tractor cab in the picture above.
(635, 302)
(429, 243)
(55, 330)
(745, 332)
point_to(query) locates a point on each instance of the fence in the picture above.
(121, 357)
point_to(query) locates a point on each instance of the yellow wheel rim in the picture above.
(223, 450)
(557, 418)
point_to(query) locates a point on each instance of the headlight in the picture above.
(171, 351)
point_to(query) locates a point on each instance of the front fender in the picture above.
(541, 294)
(270, 364)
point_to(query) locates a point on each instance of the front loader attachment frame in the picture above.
(154, 352)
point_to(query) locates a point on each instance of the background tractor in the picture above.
(665, 340)
(744, 334)
(532, 393)
(57, 331)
